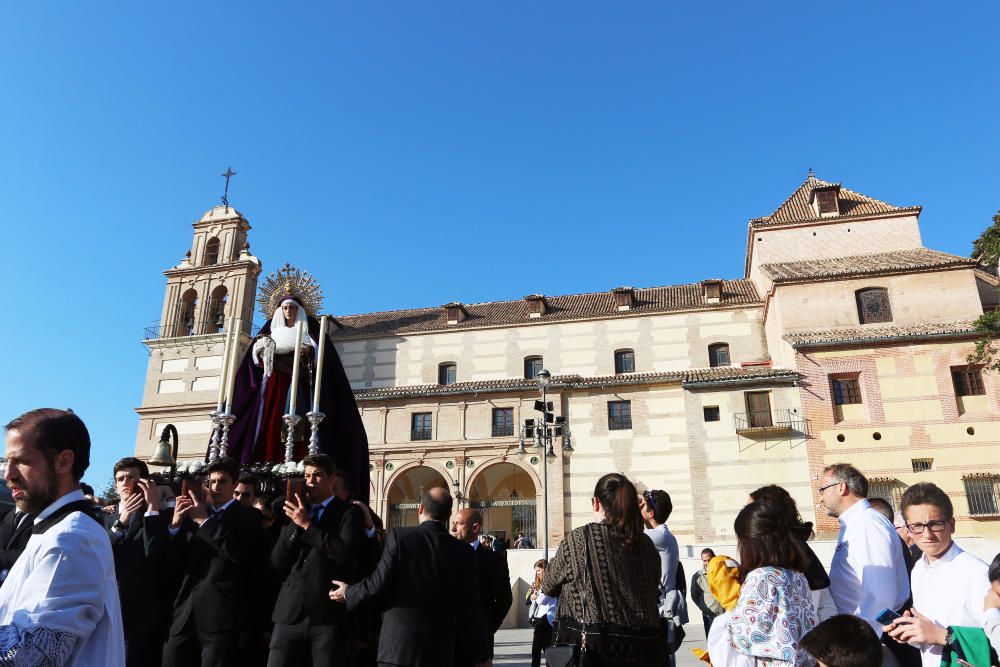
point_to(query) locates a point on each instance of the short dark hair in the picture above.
(87, 489)
(248, 478)
(660, 503)
(995, 569)
(849, 475)
(765, 539)
(321, 461)
(843, 641)
(706, 550)
(437, 503)
(226, 464)
(52, 431)
(132, 462)
(927, 493)
(882, 506)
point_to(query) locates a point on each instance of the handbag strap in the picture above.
(587, 579)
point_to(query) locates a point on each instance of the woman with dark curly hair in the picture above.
(606, 575)
(802, 531)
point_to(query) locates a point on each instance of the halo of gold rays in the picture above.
(289, 280)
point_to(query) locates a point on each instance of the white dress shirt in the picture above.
(991, 624)
(949, 591)
(60, 602)
(868, 572)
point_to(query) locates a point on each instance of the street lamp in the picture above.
(542, 433)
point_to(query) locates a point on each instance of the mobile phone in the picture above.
(887, 616)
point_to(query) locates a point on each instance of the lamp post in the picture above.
(543, 439)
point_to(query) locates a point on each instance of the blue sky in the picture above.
(410, 154)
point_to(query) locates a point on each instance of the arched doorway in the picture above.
(404, 494)
(505, 495)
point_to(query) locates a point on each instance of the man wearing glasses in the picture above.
(868, 571)
(948, 584)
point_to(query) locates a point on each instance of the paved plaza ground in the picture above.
(513, 647)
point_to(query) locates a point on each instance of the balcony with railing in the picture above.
(420, 434)
(189, 327)
(623, 423)
(769, 422)
(503, 430)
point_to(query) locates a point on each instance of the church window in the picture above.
(624, 361)
(212, 252)
(873, 305)
(718, 354)
(447, 373)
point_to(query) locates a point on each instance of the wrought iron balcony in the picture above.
(503, 430)
(769, 421)
(420, 434)
(188, 328)
(619, 423)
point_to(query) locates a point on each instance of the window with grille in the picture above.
(712, 413)
(624, 361)
(981, 494)
(532, 367)
(718, 354)
(503, 422)
(447, 373)
(420, 426)
(846, 391)
(873, 305)
(968, 380)
(921, 465)
(619, 415)
(889, 490)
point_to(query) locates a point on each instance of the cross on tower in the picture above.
(225, 195)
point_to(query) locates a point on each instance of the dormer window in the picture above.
(826, 200)
(711, 290)
(455, 312)
(624, 297)
(536, 305)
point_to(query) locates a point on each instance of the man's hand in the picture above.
(339, 591)
(298, 512)
(369, 522)
(133, 504)
(181, 507)
(191, 507)
(992, 600)
(150, 493)
(915, 628)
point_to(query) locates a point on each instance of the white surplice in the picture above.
(59, 605)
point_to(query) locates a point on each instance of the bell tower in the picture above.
(216, 280)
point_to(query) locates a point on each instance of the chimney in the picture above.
(711, 290)
(536, 305)
(624, 297)
(455, 312)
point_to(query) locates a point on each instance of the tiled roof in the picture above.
(850, 203)
(557, 308)
(689, 377)
(860, 265)
(870, 333)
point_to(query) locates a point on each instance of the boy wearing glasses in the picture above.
(948, 584)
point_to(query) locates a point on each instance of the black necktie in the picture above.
(18, 519)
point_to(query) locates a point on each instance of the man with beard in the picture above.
(139, 542)
(322, 541)
(220, 547)
(59, 605)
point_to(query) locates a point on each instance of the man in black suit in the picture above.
(15, 529)
(426, 581)
(492, 573)
(139, 542)
(322, 541)
(220, 544)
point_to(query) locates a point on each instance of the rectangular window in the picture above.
(624, 361)
(968, 380)
(712, 413)
(718, 355)
(846, 391)
(420, 426)
(503, 422)
(921, 465)
(447, 374)
(759, 409)
(981, 494)
(886, 489)
(827, 201)
(532, 367)
(619, 415)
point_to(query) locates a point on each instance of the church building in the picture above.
(824, 351)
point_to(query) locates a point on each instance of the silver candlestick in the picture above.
(291, 421)
(314, 417)
(213, 447)
(226, 420)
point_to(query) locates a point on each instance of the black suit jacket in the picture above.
(308, 560)
(219, 559)
(13, 538)
(426, 581)
(493, 586)
(139, 557)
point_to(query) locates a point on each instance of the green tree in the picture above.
(986, 249)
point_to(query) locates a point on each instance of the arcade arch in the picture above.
(506, 495)
(403, 496)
